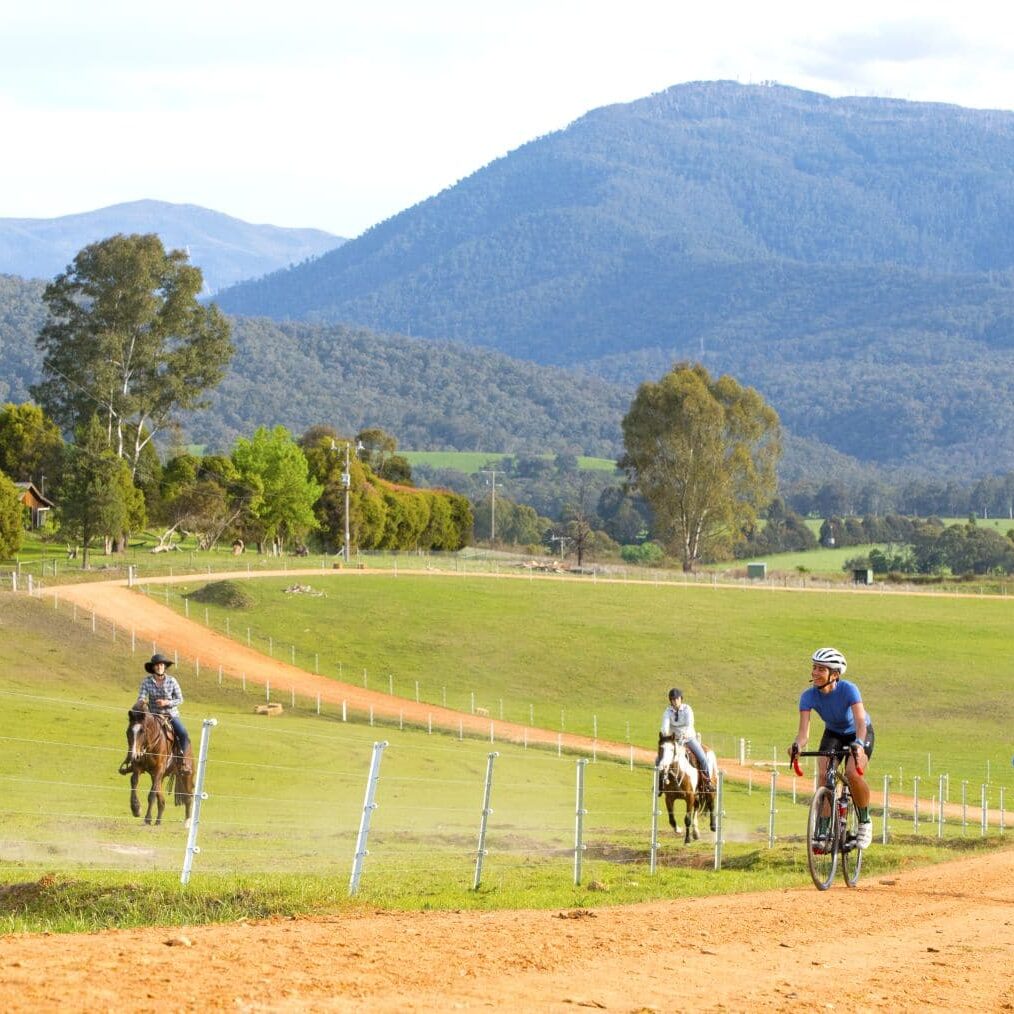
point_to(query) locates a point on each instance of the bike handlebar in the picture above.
(836, 755)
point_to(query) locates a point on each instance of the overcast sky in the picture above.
(338, 115)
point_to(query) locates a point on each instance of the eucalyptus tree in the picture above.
(96, 498)
(11, 518)
(282, 489)
(703, 453)
(127, 340)
(31, 447)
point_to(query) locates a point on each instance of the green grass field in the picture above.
(285, 793)
(470, 462)
(598, 657)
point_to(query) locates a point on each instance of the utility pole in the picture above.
(347, 485)
(492, 514)
(563, 540)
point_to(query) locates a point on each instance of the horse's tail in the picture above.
(184, 787)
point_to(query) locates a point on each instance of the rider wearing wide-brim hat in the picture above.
(163, 695)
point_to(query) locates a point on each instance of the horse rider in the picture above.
(678, 727)
(164, 696)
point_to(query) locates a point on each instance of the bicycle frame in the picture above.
(829, 842)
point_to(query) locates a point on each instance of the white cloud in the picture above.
(338, 115)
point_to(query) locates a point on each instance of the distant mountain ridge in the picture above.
(226, 249)
(861, 249)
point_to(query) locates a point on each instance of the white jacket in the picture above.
(679, 722)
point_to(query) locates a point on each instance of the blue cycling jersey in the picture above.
(834, 707)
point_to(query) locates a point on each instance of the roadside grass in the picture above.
(277, 833)
(87, 901)
(596, 659)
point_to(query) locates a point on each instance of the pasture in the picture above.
(285, 795)
(596, 659)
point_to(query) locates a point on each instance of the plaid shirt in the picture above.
(168, 689)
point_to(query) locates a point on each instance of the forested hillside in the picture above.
(21, 315)
(860, 250)
(226, 249)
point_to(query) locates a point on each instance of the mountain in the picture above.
(226, 249)
(851, 258)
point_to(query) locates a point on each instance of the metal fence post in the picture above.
(199, 796)
(915, 804)
(580, 811)
(369, 805)
(772, 811)
(964, 807)
(985, 813)
(653, 850)
(486, 811)
(887, 808)
(940, 812)
(1001, 810)
(720, 818)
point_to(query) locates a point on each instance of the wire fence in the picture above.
(294, 796)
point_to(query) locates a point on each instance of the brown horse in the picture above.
(152, 752)
(681, 781)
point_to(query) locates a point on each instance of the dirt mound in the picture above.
(227, 594)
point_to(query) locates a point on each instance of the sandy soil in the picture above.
(939, 938)
(930, 939)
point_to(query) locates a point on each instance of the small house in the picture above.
(36, 502)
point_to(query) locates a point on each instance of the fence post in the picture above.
(580, 811)
(1001, 810)
(887, 808)
(369, 805)
(199, 796)
(772, 810)
(915, 804)
(985, 813)
(720, 816)
(653, 848)
(940, 812)
(964, 807)
(486, 811)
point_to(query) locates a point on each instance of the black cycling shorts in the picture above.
(831, 739)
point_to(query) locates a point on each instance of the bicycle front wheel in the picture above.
(822, 839)
(851, 854)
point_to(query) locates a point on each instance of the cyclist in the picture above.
(846, 723)
(678, 727)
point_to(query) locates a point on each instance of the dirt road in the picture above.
(939, 938)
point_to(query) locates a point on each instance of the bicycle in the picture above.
(833, 805)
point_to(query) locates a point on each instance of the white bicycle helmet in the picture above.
(831, 658)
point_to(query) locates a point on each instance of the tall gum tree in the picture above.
(703, 453)
(126, 339)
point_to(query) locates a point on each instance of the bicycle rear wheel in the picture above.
(851, 854)
(822, 849)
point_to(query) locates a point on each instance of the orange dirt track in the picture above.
(931, 939)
